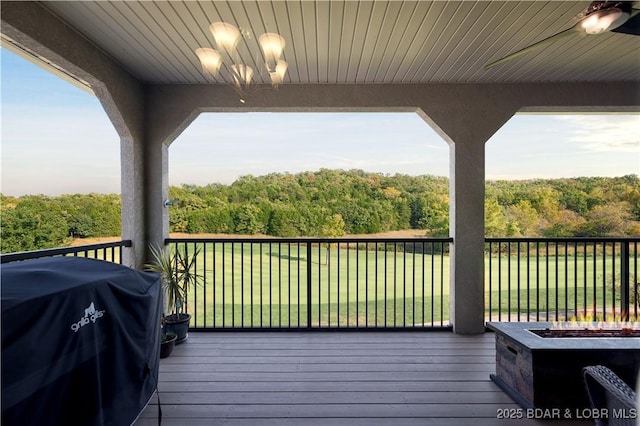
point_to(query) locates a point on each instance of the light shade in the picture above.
(277, 76)
(242, 74)
(272, 45)
(210, 60)
(603, 20)
(226, 35)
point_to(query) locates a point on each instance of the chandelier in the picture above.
(227, 37)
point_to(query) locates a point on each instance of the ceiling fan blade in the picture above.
(632, 26)
(534, 46)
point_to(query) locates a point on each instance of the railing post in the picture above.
(309, 298)
(624, 280)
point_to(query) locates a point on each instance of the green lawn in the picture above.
(256, 285)
(584, 284)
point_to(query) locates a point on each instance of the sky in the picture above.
(56, 139)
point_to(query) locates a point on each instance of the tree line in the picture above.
(332, 203)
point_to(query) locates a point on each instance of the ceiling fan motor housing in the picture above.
(604, 16)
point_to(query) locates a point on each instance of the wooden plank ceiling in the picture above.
(358, 41)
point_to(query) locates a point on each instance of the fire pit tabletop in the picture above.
(521, 332)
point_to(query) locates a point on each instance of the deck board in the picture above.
(332, 378)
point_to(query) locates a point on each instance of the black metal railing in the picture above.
(393, 283)
(556, 279)
(305, 283)
(111, 252)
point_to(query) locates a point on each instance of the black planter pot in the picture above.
(166, 346)
(179, 325)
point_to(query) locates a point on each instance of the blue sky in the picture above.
(57, 139)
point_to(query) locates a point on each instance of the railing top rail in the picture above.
(562, 240)
(34, 254)
(308, 240)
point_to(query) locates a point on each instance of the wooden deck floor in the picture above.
(332, 378)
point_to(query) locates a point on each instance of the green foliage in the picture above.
(92, 215)
(578, 207)
(337, 202)
(286, 220)
(246, 219)
(34, 222)
(289, 205)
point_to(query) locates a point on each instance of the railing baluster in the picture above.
(395, 286)
(299, 262)
(279, 285)
(413, 283)
(376, 284)
(625, 281)
(575, 278)
(604, 280)
(289, 284)
(309, 290)
(261, 286)
(424, 299)
(242, 284)
(215, 313)
(556, 279)
(204, 284)
(613, 279)
(271, 284)
(404, 284)
(584, 271)
(509, 280)
(328, 258)
(224, 285)
(348, 286)
(319, 285)
(357, 285)
(233, 284)
(499, 282)
(338, 282)
(518, 280)
(251, 282)
(528, 282)
(366, 285)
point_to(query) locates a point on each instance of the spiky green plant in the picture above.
(179, 275)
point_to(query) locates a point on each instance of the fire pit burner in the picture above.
(587, 332)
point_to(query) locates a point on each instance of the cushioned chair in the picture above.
(607, 391)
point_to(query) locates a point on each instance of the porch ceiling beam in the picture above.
(173, 107)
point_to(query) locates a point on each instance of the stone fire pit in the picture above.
(546, 372)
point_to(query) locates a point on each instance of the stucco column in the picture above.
(166, 120)
(466, 126)
(132, 200)
(157, 191)
(466, 222)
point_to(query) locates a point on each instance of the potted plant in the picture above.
(179, 276)
(167, 343)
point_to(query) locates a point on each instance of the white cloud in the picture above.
(554, 146)
(604, 133)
